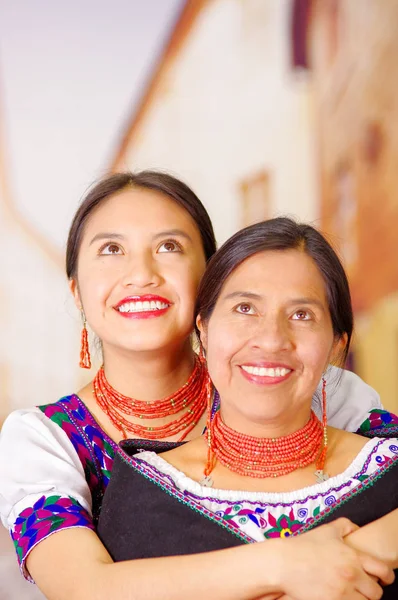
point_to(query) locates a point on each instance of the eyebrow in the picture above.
(253, 296)
(310, 301)
(171, 232)
(105, 236)
(118, 236)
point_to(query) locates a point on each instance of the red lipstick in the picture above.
(141, 312)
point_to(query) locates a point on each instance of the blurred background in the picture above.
(264, 107)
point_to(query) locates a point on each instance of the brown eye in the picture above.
(301, 315)
(170, 246)
(245, 309)
(111, 249)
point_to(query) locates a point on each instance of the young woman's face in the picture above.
(269, 339)
(139, 267)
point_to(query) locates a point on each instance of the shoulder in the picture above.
(347, 448)
(38, 422)
(349, 399)
(189, 458)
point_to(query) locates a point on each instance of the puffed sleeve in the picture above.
(42, 484)
(349, 399)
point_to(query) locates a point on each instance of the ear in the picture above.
(338, 349)
(74, 288)
(203, 333)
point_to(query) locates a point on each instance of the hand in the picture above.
(318, 564)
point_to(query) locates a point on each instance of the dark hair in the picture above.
(280, 234)
(149, 180)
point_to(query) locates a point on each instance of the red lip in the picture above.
(144, 298)
(265, 380)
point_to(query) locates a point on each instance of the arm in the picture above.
(73, 565)
(379, 539)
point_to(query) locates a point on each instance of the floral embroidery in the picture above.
(96, 453)
(237, 515)
(262, 518)
(47, 515)
(379, 423)
(285, 526)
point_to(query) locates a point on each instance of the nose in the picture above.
(272, 335)
(141, 271)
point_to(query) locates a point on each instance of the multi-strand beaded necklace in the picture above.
(267, 457)
(191, 396)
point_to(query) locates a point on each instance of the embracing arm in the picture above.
(73, 565)
(379, 539)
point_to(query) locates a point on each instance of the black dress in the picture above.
(142, 518)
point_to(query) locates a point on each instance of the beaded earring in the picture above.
(201, 352)
(319, 473)
(85, 358)
(207, 480)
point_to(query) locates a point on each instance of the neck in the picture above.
(150, 375)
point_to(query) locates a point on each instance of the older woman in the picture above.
(274, 311)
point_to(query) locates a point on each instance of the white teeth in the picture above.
(264, 372)
(139, 306)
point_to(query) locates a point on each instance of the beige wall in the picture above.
(377, 349)
(355, 68)
(228, 106)
(39, 326)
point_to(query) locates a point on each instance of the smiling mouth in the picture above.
(142, 307)
(266, 371)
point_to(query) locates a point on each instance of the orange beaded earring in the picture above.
(85, 358)
(319, 473)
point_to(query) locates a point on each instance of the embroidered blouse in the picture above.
(55, 460)
(261, 515)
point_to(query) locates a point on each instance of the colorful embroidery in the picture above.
(48, 514)
(263, 519)
(96, 452)
(380, 423)
(285, 526)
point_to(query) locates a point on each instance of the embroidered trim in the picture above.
(237, 513)
(263, 498)
(47, 515)
(96, 453)
(363, 485)
(380, 423)
(95, 449)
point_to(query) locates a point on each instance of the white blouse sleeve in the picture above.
(43, 488)
(349, 399)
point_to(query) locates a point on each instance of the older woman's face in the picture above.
(269, 339)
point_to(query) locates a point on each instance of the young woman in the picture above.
(136, 251)
(273, 311)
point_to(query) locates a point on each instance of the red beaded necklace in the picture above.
(264, 457)
(192, 395)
